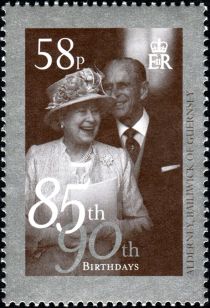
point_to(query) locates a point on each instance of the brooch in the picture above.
(106, 160)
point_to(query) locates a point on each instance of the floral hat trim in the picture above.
(77, 85)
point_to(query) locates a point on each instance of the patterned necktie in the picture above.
(131, 144)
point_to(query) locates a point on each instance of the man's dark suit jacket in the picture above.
(161, 248)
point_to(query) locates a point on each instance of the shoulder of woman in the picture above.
(117, 154)
(42, 149)
(103, 147)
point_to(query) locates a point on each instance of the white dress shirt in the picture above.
(141, 126)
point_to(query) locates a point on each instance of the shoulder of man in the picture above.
(163, 148)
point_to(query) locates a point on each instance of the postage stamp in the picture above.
(104, 154)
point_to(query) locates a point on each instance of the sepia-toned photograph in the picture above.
(103, 152)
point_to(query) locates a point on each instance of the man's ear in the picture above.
(144, 89)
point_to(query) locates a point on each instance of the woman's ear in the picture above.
(61, 120)
(144, 89)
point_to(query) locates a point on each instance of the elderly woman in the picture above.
(76, 104)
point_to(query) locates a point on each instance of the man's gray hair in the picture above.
(138, 67)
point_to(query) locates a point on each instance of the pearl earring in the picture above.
(62, 125)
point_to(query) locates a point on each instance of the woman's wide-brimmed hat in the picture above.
(82, 86)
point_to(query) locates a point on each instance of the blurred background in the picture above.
(98, 46)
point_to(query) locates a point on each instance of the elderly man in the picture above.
(152, 137)
(126, 82)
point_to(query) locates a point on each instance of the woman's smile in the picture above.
(88, 130)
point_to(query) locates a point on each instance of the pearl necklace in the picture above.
(85, 157)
